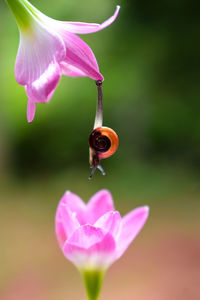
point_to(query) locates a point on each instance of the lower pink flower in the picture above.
(94, 235)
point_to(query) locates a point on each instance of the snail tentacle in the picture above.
(100, 168)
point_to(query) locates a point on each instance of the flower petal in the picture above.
(41, 90)
(98, 205)
(66, 224)
(86, 236)
(110, 222)
(82, 28)
(30, 110)
(60, 234)
(37, 50)
(132, 223)
(79, 54)
(90, 247)
(71, 71)
(75, 205)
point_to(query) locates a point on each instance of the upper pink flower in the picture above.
(49, 48)
(94, 235)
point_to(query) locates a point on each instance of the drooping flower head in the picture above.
(49, 48)
(94, 235)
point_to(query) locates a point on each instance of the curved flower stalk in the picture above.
(49, 48)
(94, 235)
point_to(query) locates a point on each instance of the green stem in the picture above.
(20, 12)
(93, 282)
(32, 9)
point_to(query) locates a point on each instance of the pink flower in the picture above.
(94, 235)
(49, 48)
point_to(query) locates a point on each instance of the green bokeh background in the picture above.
(150, 61)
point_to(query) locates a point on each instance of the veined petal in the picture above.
(67, 207)
(71, 71)
(90, 247)
(41, 90)
(132, 223)
(110, 222)
(38, 49)
(80, 55)
(66, 224)
(30, 110)
(86, 236)
(75, 205)
(82, 28)
(98, 205)
(60, 233)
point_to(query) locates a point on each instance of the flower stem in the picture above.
(20, 12)
(93, 281)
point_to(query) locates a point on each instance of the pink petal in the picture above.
(80, 55)
(98, 205)
(60, 234)
(66, 224)
(41, 90)
(30, 110)
(132, 223)
(86, 236)
(36, 52)
(71, 71)
(110, 222)
(90, 247)
(82, 28)
(75, 205)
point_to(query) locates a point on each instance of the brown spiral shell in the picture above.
(104, 141)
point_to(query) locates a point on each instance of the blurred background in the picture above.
(150, 60)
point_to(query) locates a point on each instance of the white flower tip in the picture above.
(29, 120)
(147, 209)
(116, 11)
(67, 192)
(115, 14)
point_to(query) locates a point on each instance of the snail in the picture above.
(103, 141)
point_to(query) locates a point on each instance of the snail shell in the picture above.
(103, 141)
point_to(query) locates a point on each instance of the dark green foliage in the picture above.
(150, 60)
